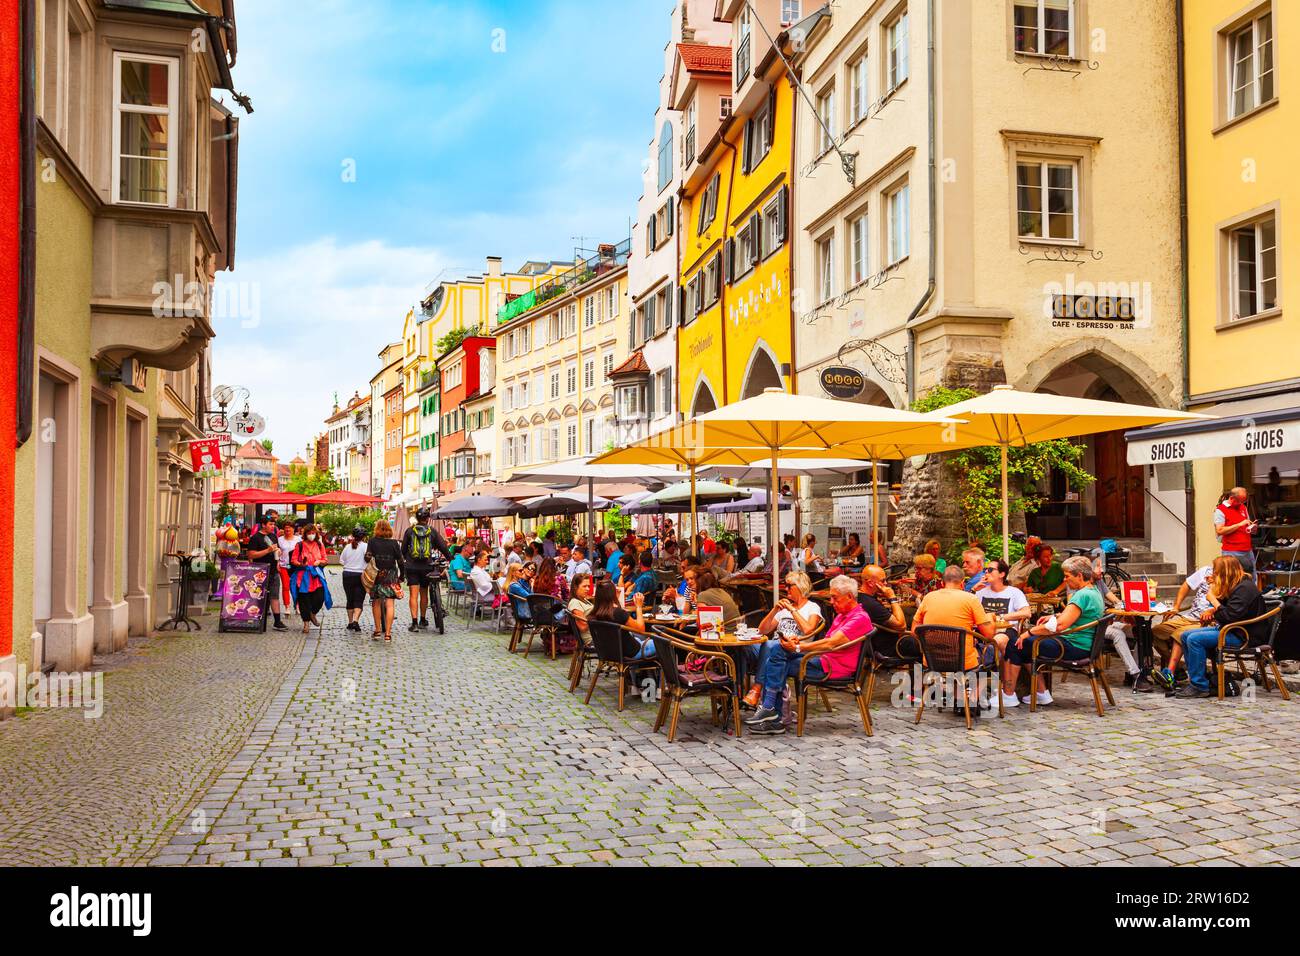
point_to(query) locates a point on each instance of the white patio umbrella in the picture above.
(1005, 417)
(572, 471)
(776, 423)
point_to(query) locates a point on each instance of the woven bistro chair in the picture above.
(616, 651)
(854, 684)
(1089, 667)
(583, 652)
(717, 680)
(944, 651)
(522, 622)
(1261, 654)
(541, 611)
(891, 651)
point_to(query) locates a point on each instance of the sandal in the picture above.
(376, 636)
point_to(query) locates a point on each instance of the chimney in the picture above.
(494, 265)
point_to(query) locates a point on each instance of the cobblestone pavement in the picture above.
(446, 749)
(104, 791)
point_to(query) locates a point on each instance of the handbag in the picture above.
(369, 574)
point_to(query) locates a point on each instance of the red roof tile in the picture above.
(634, 365)
(702, 58)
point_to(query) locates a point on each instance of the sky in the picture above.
(396, 143)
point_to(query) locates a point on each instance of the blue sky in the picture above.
(461, 150)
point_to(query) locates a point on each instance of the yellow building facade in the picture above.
(737, 335)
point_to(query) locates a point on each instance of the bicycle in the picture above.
(433, 585)
(1113, 571)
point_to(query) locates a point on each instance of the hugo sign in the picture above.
(840, 381)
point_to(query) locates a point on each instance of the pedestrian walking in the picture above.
(307, 581)
(418, 546)
(353, 558)
(264, 548)
(387, 557)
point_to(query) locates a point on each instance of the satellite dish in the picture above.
(248, 425)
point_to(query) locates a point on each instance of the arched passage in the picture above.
(762, 372)
(704, 400)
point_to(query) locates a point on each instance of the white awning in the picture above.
(1257, 426)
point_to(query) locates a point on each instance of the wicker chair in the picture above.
(855, 684)
(616, 651)
(717, 680)
(541, 613)
(944, 650)
(1088, 666)
(1260, 654)
(583, 652)
(891, 651)
(522, 621)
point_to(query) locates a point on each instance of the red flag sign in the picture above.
(205, 455)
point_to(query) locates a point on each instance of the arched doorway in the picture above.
(1115, 504)
(704, 401)
(762, 373)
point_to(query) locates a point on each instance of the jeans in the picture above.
(1197, 644)
(1246, 559)
(781, 665)
(647, 650)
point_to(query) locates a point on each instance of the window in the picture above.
(712, 281)
(1047, 204)
(742, 57)
(522, 385)
(571, 440)
(688, 141)
(645, 327)
(695, 296)
(455, 375)
(553, 451)
(789, 12)
(898, 206)
(664, 403)
(611, 303)
(555, 384)
(758, 134)
(858, 90)
(1254, 268)
(773, 225)
(607, 363)
(724, 107)
(859, 263)
(588, 311)
(1250, 66)
(144, 129)
(1045, 27)
(896, 45)
(568, 321)
(589, 373)
(746, 250)
(589, 437)
(709, 204)
(825, 268)
(665, 155)
(826, 118)
(665, 307)
(538, 385)
(571, 379)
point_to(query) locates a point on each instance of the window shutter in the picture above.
(717, 279)
(681, 303)
(668, 310)
(746, 144)
(771, 115)
(668, 219)
(650, 234)
(782, 213)
(755, 234)
(729, 261)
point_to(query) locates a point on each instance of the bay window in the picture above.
(145, 128)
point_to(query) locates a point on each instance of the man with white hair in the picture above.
(756, 563)
(833, 659)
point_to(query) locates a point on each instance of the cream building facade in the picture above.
(555, 350)
(1005, 221)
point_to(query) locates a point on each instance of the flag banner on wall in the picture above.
(205, 454)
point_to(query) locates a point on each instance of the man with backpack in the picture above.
(418, 546)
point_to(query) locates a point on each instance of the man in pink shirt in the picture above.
(832, 658)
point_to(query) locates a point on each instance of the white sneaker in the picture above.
(1044, 698)
(1010, 700)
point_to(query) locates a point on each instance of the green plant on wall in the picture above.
(454, 338)
(979, 474)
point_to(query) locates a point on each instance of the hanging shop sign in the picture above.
(1247, 438)
(205, 455)
(840, 381)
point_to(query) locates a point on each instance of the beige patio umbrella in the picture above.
(777, 423)
(1005, 417)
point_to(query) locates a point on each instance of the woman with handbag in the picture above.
(353, 558)
(385, 557)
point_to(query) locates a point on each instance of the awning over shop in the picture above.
(1256, 426)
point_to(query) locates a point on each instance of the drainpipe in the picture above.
(1189, 497)
(722, 286)
(934, 239)
(27, 236)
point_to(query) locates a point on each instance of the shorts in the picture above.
(273, 581)
(417, 576)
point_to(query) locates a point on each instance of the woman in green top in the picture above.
(934, 549)
(1081, 612)
(1048, 577)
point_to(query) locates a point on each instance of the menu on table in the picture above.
(710, 620)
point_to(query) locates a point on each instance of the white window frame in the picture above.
(859, 248)
(897, 64)
(859, 89)
(607, 363)
(1255, 82)
(825, 251)
(1041, 29)
(1257, 264)
(1044, 165)
(589, 373)
(172, 112)
(826, 114)
(791, 12)
(898, 245)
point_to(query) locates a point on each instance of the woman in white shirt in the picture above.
(353, 559)
(793, 615)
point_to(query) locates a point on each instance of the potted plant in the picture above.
(202, 577)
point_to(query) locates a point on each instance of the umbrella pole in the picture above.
(774, 528)
(591, 513)
(1006, 522)
(875, 510)
(690, 545)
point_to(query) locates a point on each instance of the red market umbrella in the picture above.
(348, 498)
(259, 496)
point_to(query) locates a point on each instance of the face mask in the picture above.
(311, 537)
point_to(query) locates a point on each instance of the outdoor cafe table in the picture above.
(1141, 621)
(733, 646)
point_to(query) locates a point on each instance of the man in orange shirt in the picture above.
(952, 606)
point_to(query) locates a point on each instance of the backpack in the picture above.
(421, 543)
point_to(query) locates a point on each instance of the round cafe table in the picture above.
(1142, 624)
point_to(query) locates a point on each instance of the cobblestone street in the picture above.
(445, 749)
